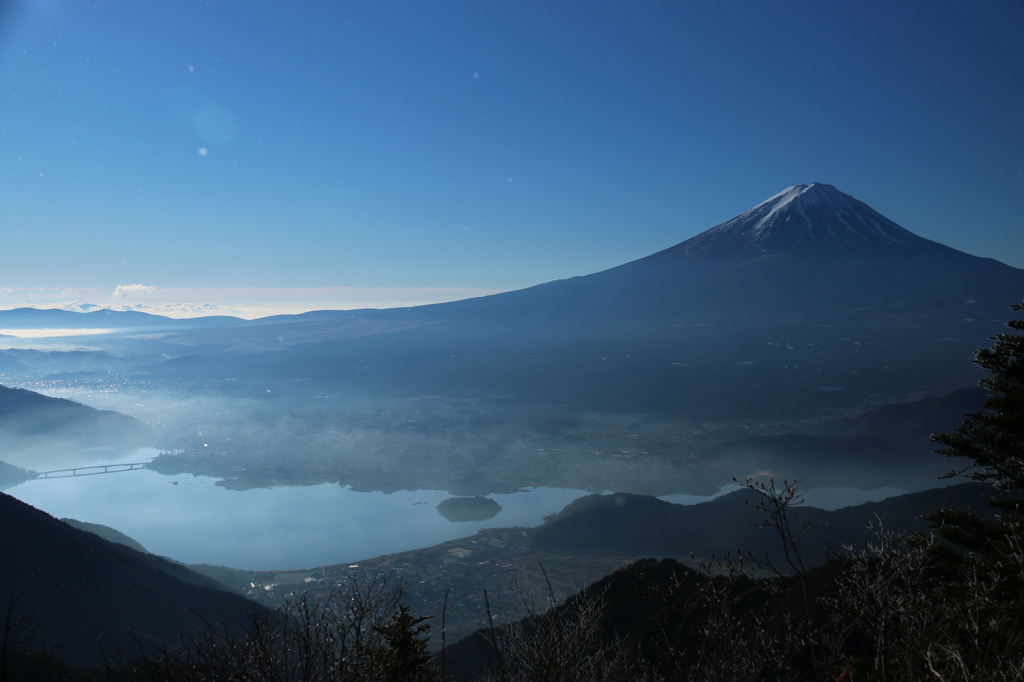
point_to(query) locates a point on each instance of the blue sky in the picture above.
(205, 152)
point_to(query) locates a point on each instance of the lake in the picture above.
(190, 519)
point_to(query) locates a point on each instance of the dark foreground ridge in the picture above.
(89, 596)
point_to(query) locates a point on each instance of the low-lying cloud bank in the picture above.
(249, 302)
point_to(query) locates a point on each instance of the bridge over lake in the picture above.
(94, 470)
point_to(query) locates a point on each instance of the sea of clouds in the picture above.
(245, 302)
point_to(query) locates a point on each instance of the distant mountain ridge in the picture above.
(55, 318)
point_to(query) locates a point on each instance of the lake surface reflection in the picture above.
(190, 519)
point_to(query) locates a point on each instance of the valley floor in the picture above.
(495, 560)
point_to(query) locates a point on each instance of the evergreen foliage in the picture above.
(404, 654)
(993, 441)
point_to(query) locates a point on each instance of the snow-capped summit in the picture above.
(812, 218)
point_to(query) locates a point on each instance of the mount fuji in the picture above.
(808, 250)
(810, 297)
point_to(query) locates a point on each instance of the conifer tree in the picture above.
(993, 441)
(405, 657)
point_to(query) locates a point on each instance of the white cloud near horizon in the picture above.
(123, 291)
(249, 302)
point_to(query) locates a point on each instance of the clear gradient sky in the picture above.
(390, 152)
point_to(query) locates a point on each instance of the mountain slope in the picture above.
(107, 533)
(642, 604)
(642, 525)
(28, 419)
(86, 592)
(888, 444)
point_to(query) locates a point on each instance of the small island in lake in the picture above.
(469, 508)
